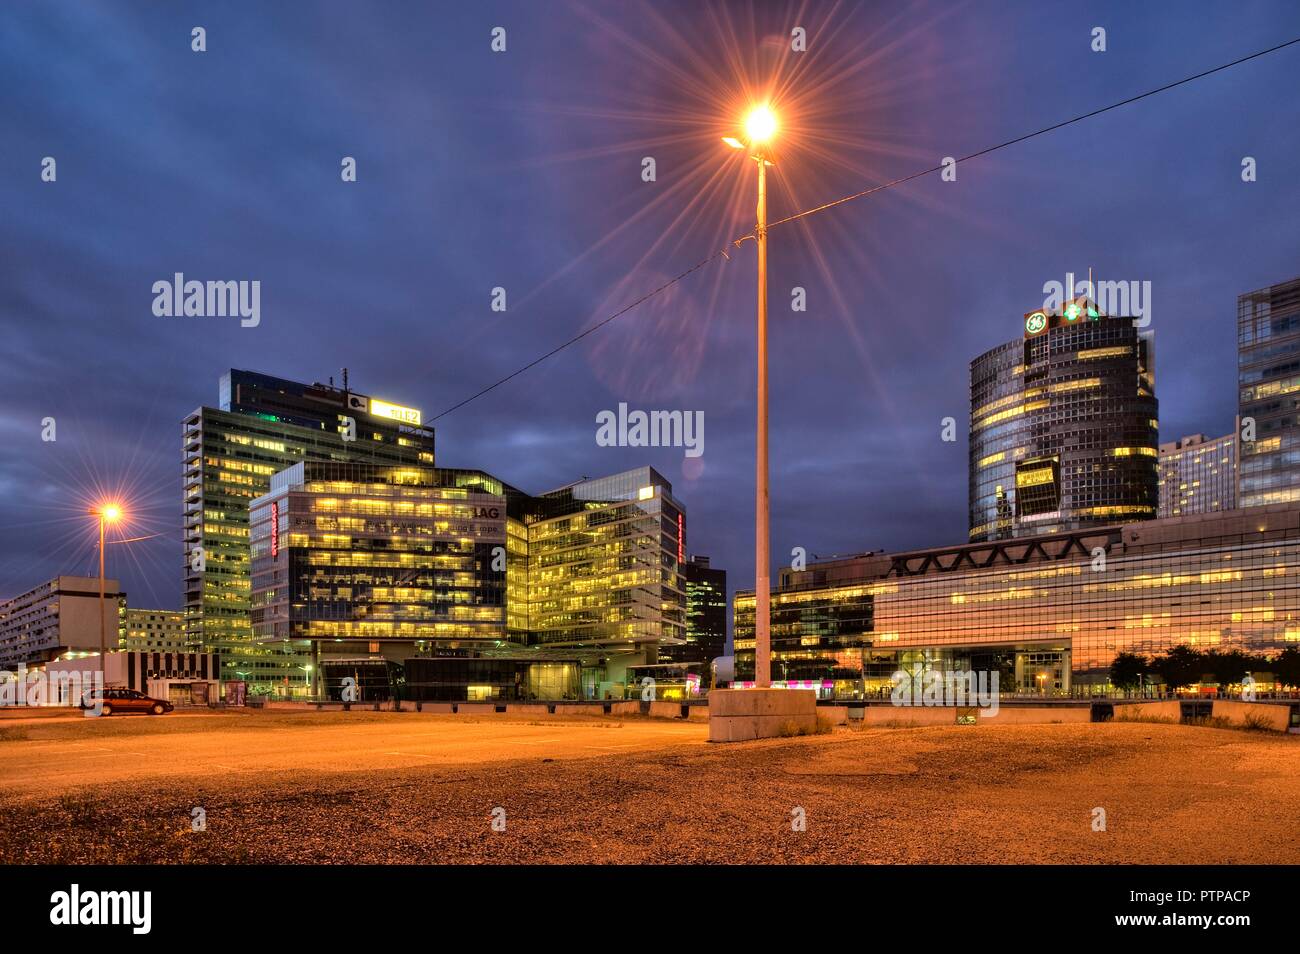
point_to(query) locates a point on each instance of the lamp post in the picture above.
(760, 127)
(108, 513)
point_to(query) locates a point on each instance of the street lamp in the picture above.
(760, 128)
(107, 513)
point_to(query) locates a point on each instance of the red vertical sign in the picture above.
(275, 529)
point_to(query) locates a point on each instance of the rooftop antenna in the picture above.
(345, 379)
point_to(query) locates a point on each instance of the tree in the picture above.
(1127, 670)
(1180, 666)
(1230, 668)
(1286, 666)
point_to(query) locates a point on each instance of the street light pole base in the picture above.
(738, 715)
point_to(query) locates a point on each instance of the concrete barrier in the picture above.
(1170, 710)
(909, 715)
(665, 710)
(697, 713)
(738, 715)
(1276, 718)
(475, 708)
(528, 708)
(436, 707)
(625, 708)
(839, 715)
(1036, 715)
(572, 710)
(950, 715)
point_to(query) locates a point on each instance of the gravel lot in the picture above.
(402, 787)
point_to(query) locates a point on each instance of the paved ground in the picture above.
(399, 787)
(53, 756)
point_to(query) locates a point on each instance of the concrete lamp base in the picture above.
(738, 715)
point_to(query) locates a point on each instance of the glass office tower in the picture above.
(475, 589)
(1063, 426)
(604, 565)
(264, 425)
(706, 614)
(381, 560)
(1198, 475)
(1268, 378)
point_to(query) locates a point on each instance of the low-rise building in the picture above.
(155, 631)
(59, 618)
(182, 679)
(1049, 613)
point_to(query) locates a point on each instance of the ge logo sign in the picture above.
(1035, 323)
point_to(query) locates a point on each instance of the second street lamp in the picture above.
(760, 128)
(108, 513)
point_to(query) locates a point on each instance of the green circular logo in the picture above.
(1035, 322)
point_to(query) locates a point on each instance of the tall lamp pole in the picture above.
(760, 127)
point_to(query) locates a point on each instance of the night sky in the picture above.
(523, 170)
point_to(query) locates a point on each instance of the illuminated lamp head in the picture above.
(760, 125)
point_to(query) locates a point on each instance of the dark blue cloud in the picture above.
(521, 170)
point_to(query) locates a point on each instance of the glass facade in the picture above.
(362, 679)
(416, 562)
(604, 564)
(706, 614)
(1051, 613)
(1268, 377)
(1063, 427)
(229, 455)
(354, 554)
(1198, 476)
(493, 679)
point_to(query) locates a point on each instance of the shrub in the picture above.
(1256, 723)
(1129, 717)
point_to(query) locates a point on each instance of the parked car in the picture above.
(125, 700)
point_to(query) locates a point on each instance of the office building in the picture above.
(1268, 378)
(393, 561)
(155, 631)
(262, 426)
(604, 558)
(1198, 475)
(450, 584)
(1063, 426)
(706, 614)
(60, 619)
(1049, 613)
